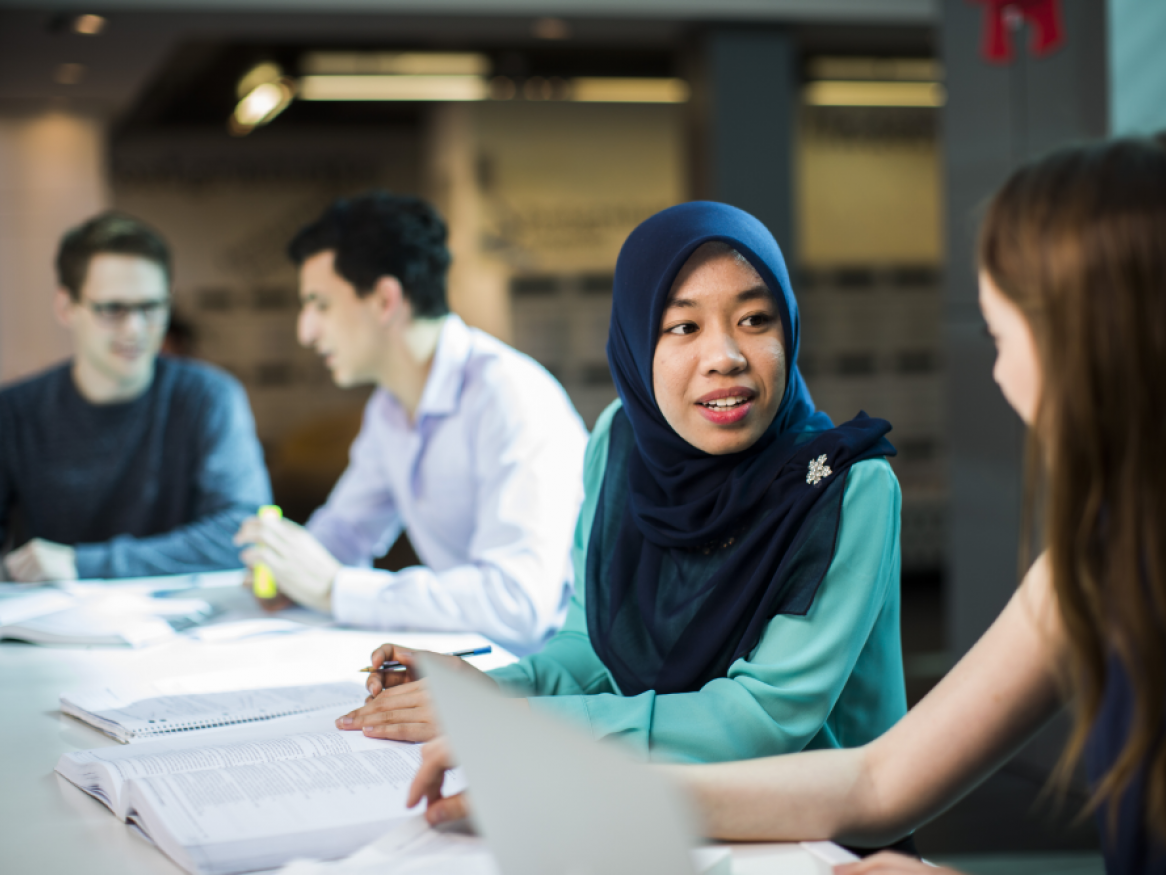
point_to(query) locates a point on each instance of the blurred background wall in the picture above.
(864, 133)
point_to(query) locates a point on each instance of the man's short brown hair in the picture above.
(112, 232)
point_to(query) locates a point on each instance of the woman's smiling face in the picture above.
(719, 369)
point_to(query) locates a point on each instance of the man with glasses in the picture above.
(121, 463)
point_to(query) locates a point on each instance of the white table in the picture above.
(49, 826)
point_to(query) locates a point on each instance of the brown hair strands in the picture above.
(1077, 241)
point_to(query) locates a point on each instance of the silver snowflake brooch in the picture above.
(818, 470)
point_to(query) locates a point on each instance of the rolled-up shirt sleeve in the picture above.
(360, 519)
(568, 665)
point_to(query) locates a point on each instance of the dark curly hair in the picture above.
(380, 234)
(110, 232)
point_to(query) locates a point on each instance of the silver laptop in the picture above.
(551, 801)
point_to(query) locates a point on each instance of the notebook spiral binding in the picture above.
(188, 725)
(126, 718)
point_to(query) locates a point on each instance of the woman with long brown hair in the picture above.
(1072, 263)
(1073, 289)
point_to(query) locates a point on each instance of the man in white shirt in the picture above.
(469, 445)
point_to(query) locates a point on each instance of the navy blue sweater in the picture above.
(157, 485)
(1131, 848)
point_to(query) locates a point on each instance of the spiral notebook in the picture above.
(129, 715)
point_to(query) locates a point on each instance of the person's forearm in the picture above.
(800, 797)
(467, 598)
(204, 545)
(566, 666)
(357, 531)
(983, 711)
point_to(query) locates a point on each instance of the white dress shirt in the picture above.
(487, 480)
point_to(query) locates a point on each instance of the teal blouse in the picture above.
(831, 678)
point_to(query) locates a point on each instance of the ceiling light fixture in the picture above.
(398, 63)
(463, 77)
(268, 71)
(264, 93)
(90, 25)
(868, 93)
(436, 88)
(597, 89)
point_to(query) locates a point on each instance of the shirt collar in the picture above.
(443, 388)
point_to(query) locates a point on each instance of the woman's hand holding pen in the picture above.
(405, 671)
(398, 705)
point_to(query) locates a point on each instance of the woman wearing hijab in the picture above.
(736, 556)
(1072, 262)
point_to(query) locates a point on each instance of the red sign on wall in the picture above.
(1001, 17)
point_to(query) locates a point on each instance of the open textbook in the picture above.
(92, 615)
(248, 799)
(131, 715)
(24, 601)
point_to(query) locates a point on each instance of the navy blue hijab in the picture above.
(692, 554)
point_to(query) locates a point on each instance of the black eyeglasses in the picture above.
(116, 312)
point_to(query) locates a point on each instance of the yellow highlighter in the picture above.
(262, 580)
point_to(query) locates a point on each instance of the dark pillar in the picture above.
(996, 118)
(744, 107)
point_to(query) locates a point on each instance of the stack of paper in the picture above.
(94, 617)
(20, 602)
